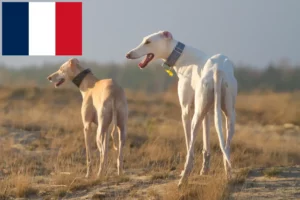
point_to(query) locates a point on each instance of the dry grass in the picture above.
(269, 108)
(19, 185)
(240, 177)
(33, 164)
(271, 172)
(23, 186)
(214, 188)
(160, 175)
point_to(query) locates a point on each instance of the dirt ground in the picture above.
(278, 183)
(285, 185)
(282, 185)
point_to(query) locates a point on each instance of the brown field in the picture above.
(42, 153)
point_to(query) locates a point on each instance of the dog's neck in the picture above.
(80, 76)
(189, 57)
(87, 83)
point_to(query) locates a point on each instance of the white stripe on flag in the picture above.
(41, 28)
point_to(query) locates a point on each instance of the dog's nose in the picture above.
(49, 78)
(128, 55)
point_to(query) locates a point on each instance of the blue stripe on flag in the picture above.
(15, 25)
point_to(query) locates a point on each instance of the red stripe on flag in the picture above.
(68, 28)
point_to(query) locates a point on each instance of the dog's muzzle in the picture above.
(128, 55)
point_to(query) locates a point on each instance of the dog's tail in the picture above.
(114, 124)
(218, 112)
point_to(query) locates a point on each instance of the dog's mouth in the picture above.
(59, 82)
(146, 60)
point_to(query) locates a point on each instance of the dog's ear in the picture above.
(167, 35)
(73, 62)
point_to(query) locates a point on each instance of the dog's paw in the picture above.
(228, 176)
(182, 182)
(181, 173)
(204, 172)
(120, 173)
(180, 185)
(115, 148)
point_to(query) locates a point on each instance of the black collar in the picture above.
(174, 56)
(78, 79)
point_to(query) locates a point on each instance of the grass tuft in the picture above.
(272, 172)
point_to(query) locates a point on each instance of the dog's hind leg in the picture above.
(206, 146)
(229, 111)
(87, 137)
(104, 120)
(121, 124)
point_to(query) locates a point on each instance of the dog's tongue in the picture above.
(59, 82)
(143, 63)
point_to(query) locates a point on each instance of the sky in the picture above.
(252, 32)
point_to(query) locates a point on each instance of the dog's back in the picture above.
(106, 90)
(221, 63)
(109, 97)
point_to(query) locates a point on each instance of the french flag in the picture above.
(41, 28)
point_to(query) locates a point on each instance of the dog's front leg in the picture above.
(186, 121)
(186, 94)
(202, 106)
(87, 138)
(196, 122)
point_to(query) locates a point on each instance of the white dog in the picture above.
(196, 85)
(103, 101)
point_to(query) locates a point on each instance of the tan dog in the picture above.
(103, 101)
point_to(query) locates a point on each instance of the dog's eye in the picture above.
(147, 42)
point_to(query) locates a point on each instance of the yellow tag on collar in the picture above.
(169, 72)
(167, 69)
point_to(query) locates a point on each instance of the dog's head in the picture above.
(66, 72)
(154, 46)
